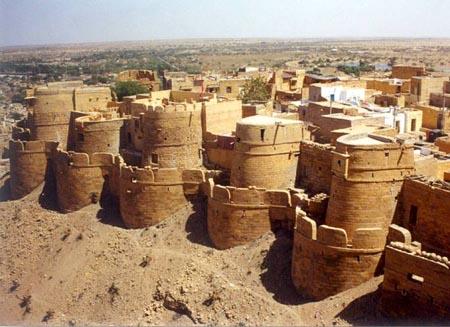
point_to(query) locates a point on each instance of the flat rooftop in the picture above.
(259, 120)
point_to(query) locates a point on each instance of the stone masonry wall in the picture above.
(95, 134)
(80, 178)
(29, 165)
(325, 263)
(424, 209)
(314, 167)
(237, 216)
(266, 155)
(416, 283)
(172, 137)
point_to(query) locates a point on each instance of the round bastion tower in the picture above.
(266, 152)
(50, 114)
(29, 162)
(368, 171)
(264, 165)
(172, 136)
(98, 132)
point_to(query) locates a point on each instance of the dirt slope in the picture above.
(85, 268)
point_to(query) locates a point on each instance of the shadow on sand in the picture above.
(277, 275)
(196, 224)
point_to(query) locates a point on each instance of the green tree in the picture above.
(127, 88)
(255, 89)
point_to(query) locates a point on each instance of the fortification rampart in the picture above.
(98, 133)
(326, 262)
(219, 150)
(50, 126)
(149, 195)
(81, 178)
(368, 171)
(314, 167)
(221, 117)
(266, 152)
(237, 216)
(172, 137)
(424, 209)
(28, 165)
(416, 283)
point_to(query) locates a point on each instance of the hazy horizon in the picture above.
(32, 23)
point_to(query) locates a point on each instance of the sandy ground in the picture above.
(85, 268)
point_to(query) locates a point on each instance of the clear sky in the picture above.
(25, 22)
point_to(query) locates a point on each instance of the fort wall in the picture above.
(368, 171)
(423, 208)
(237, 216)
(266, 152)
(416, 283)
(173, 137)
(81, 178)
(98, 133)
(325, 262)
(29, 165)
(89, 99)
(150, 195)
(314, 167)
(221, 117)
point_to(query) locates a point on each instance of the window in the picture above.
(228, 89)
(397, 126)
(413, 125)
(262, 131)
(80, 137)
(154, 158)
(415, 278)
(413, 215)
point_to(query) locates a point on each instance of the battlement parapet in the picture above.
(149, 195)
(416, 282)
(81, 178)
(28, 165)
(82, 160)
(372, 158)
(237, 216)
(251, 196)
(325, 262)
(47, 147)
(364, 239)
